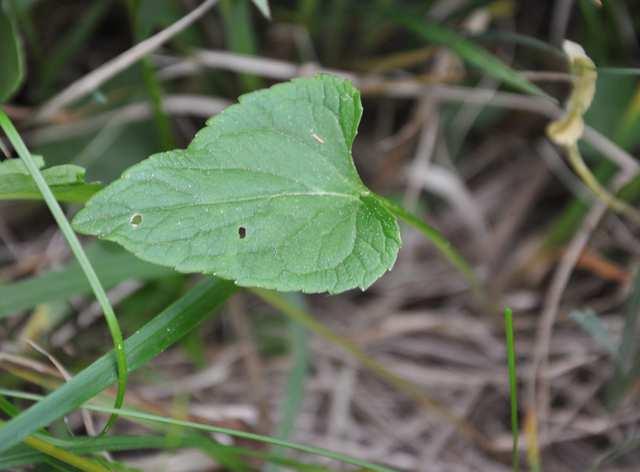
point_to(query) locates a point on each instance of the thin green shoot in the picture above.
(292, 402)
(76, 248)
(152, 84)
(440, 242)
(128, 413)
(513, 386)
(591, 181)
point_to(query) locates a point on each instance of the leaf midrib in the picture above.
(267, 197)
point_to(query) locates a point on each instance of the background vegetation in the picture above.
(409, 375)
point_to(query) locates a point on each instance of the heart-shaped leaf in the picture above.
(266, 194)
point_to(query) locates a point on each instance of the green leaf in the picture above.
(263, 6)
(66, 182)
(112, 264)
(468, 51)
(267, 195)
(16, 166)
(156, 336)
(11, 55)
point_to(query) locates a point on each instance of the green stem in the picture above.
(439, 241)
(513, 386)
(579, 166)
(76, 248)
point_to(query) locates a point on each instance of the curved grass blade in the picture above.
(78, 252)
(156, 336)
(46, 449)
(440, 242)
(42, 447)
(22, 455)
(468, 51)
(530, 42)
(214, 429)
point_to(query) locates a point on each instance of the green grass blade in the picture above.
(468, 51)
(530, 42)
(156, 336)
(140, 415)
(297, 376)
(113, 265)
(43, 447)
(513, 386)
(21, 455)
(240, 35)
(294, 395)
(78, 252)
(11, 53)
(67, 457)
(141, 28)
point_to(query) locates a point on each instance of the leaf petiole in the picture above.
(439, 241)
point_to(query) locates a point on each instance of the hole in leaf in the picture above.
(242, 232)
(136, 220)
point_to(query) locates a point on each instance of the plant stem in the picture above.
(579, 166)
(439, 241)
(513, 392)
(76, 248)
